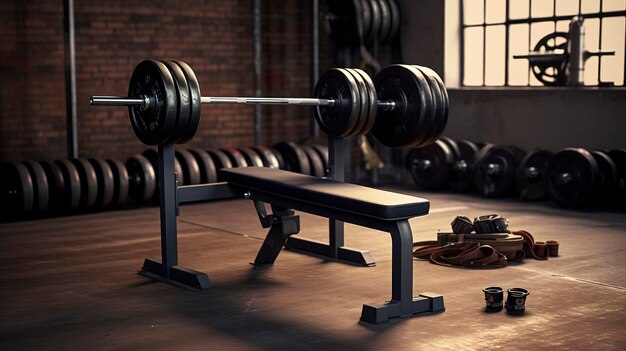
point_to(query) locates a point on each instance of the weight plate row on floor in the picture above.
(315, 161)
(530, 178)
(251, 156)
(16, 190)
(58, 200)
(431, 166)
(573, 177)
(40, 185)
(619, 158)
(189, 166)
(153, 156)
(267, 156)
(295, 159)
(88, 182)
(208, 173)
(105, 182)
(141, 178)
(494, 172)
(120, 182)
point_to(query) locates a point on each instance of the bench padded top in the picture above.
(328, 193)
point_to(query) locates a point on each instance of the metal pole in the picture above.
(314, 60)
(257, 42)
(70, 78)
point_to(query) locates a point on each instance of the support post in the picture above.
(258, 60)
(70, 79)
(314, 58)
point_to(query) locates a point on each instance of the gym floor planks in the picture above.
(72, 283)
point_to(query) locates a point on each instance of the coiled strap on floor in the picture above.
(462, 254)
(538, 249)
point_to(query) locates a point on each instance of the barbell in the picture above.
(404, 106)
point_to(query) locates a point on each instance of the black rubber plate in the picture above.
(190, 167)
(40, 185)
(408, 125)
(491, 182)
(609, 177)
(462, 178)
(106, 183)
(431, 166)
(295, 158)
(363, 101)
(120, 182)
(578, 188)
(88, 182)
(16, 190)
(530, 178)
(194, 90)
(183, 101)
(56, 186)
(317, 165)
(376, 19)
(281, 162)
(396, 20)
(235, 157)
(442, 116)
(322, 151)
(208, 173)
(252, 157)
(369, 102)
(153, 125)
(141, 178)
(72, 181)
(267, 156)
(385, 20)
(619, 158)
(339, 119)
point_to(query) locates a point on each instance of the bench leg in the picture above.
(402, 302)
(282, 223)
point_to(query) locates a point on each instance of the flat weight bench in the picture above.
(367, 207)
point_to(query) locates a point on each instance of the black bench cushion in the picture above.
(328, 193)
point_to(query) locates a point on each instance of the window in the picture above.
(493, 31)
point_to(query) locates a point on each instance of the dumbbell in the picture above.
(530, 178)
(431, 166)
(494, 169)
(405, 105)
(578, 178)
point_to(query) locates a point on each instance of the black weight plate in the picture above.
(72, 181)
(407, 125)
(235, 157)
(342, 21)
(190, 167)
(141, 178)
(267, 156)
(322, 150)
(442, 117)
(376, 20)
(153, 156)
(57, 200)
(16, 190)
(155, 124)
(608, 174)
(120, 181)
(183, 101)
(454, 147)
(363, 99)
(88, 182)
(372, 108)
(220, 159)
(462, 178)
(40, 185)
(208, 173)
(295, 158)
(530, 178)
(106, 183)
(366, 19)
(279, 158)
(251, 156)
(196, 104)
(573, 177)
(494, 173)
(436, 109)
(385, 20)
(431, 166)
(619, 158)
(396, 19)
(339, 119)
(317, 165)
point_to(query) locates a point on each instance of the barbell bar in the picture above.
(404, 106)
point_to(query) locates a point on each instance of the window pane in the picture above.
(518, 9)
(590, 6)
(613, 40)
(494, 56)
(613, 5)
(473, 11)
(592, 41)
(473, 54)
(541, 8)
(567, 7)
(562, 26)
(518, 45)
(496, 11)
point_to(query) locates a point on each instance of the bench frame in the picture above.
(282, 225)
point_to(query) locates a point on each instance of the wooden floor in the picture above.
(71, 283)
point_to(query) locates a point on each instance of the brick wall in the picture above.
(214, 37)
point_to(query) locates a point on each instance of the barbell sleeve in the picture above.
(145, 101)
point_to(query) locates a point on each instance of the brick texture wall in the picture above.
(214, 37)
